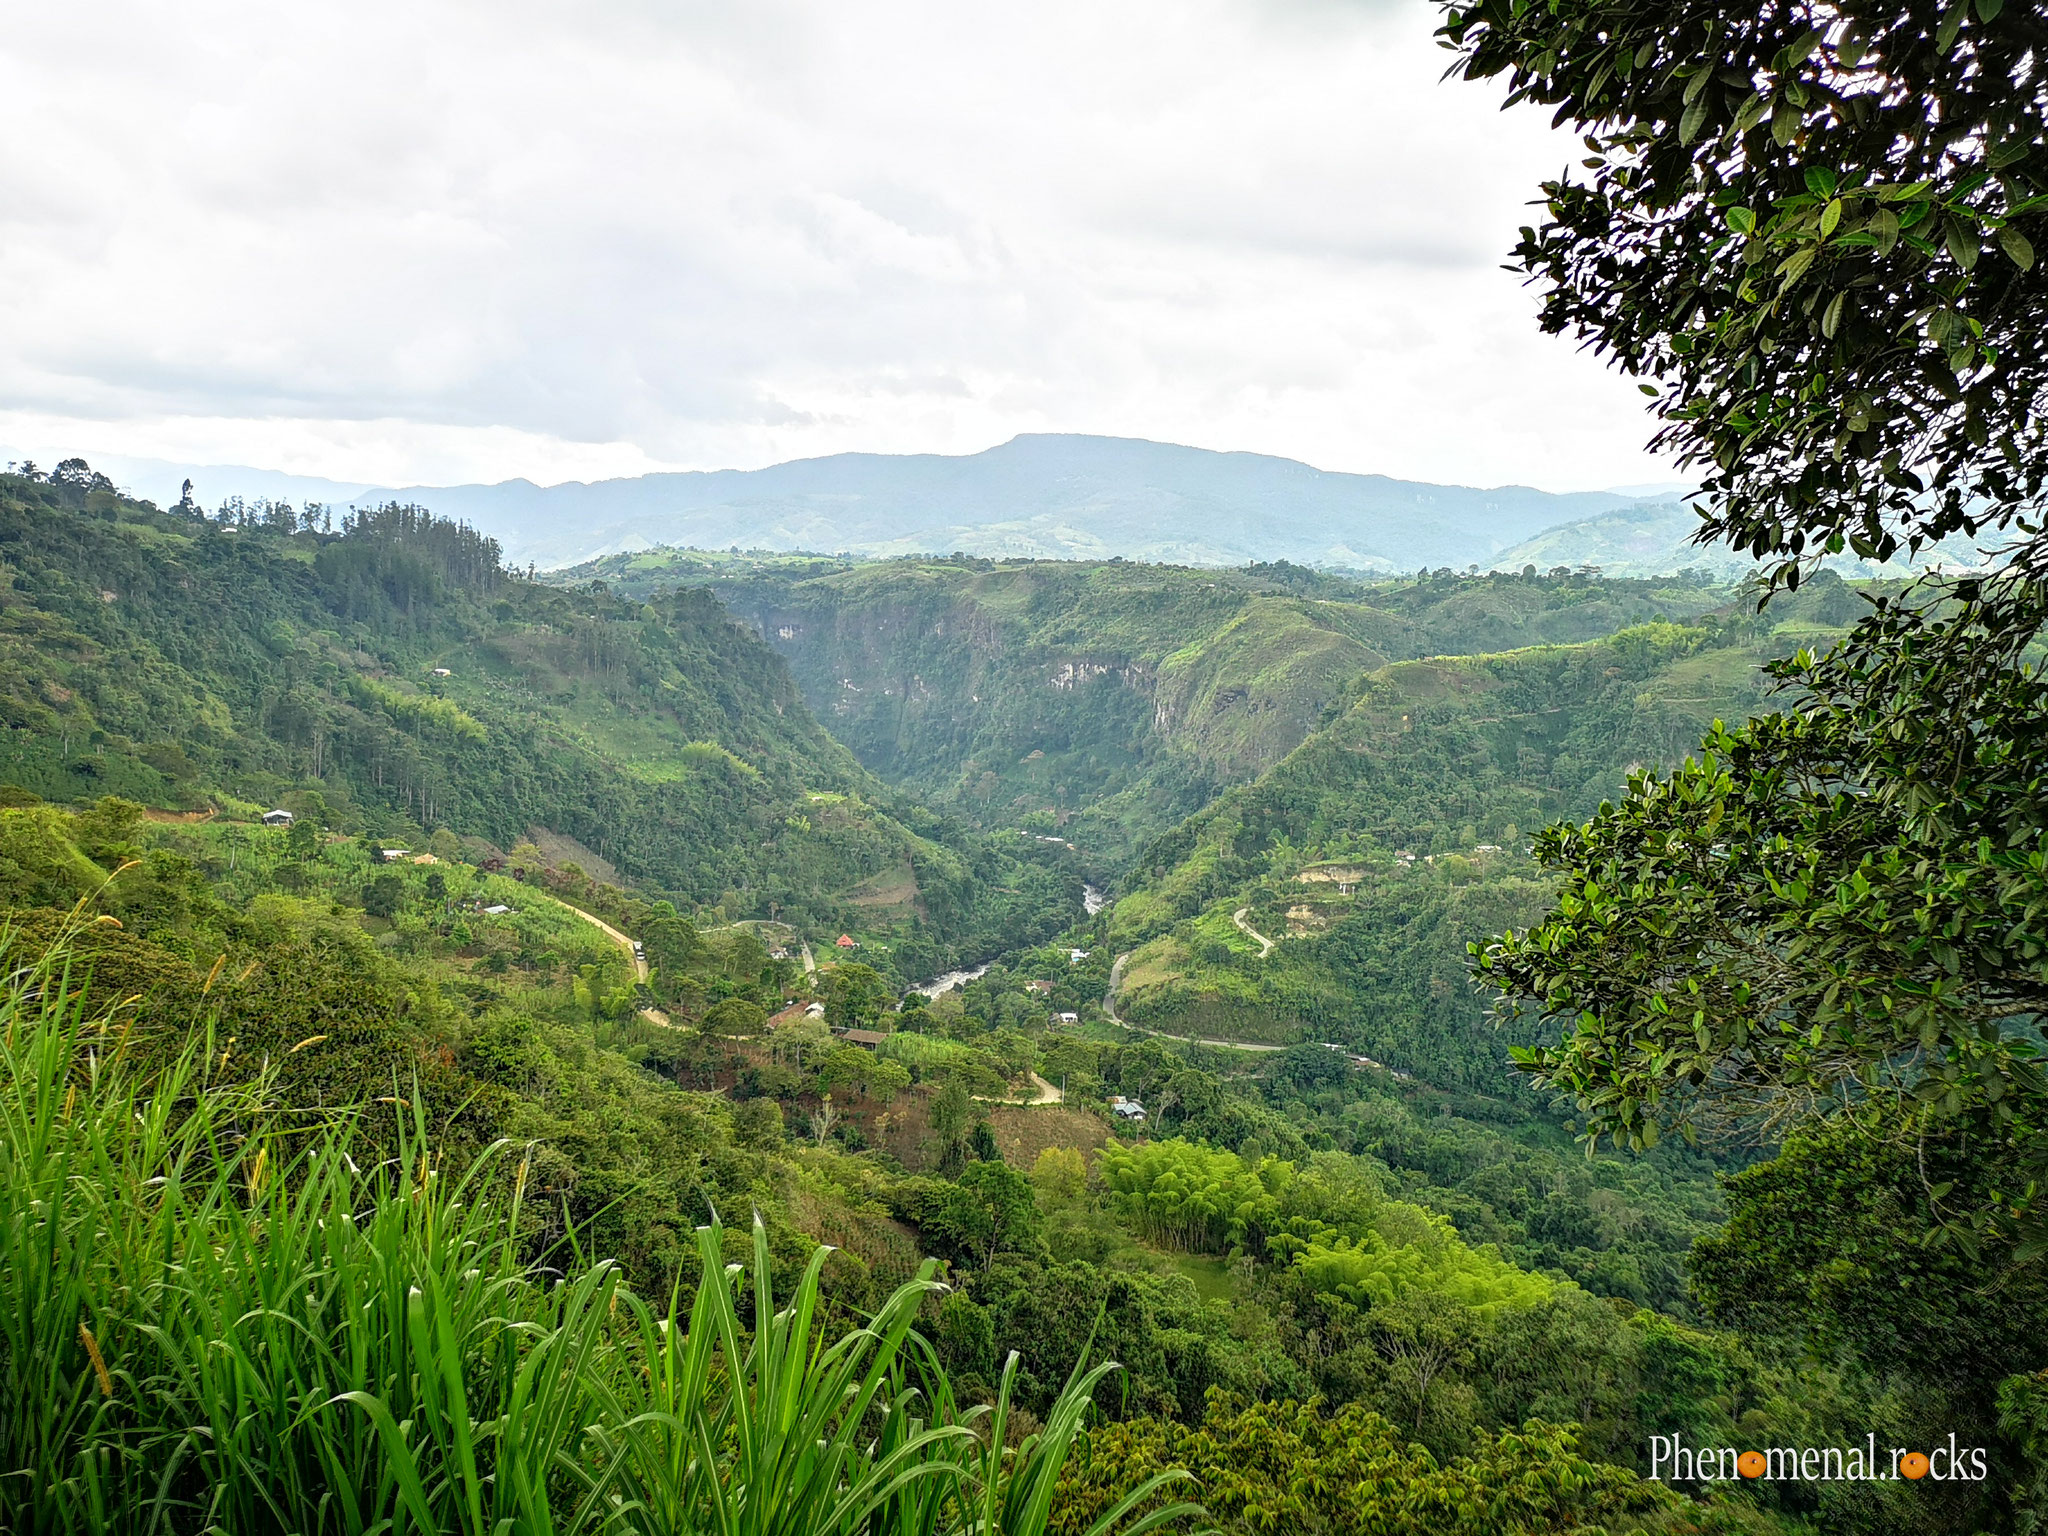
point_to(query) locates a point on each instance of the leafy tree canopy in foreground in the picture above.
(1815, 224)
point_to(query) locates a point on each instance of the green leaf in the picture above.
(1794, 266)
(1951, 24)
(1689, 125)
(1830, 216)
(1960, 240)
(1741, 220)
(1831, 320)
(2017, 246)
(1987, 10)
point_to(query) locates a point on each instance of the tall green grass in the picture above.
(214, 1319)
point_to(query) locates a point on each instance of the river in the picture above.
(950, 980)
(1092, 900)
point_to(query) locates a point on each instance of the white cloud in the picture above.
(428, 241)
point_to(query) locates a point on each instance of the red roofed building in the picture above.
(844, 942)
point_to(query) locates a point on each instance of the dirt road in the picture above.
(640, 967)
(1044, 1093)
(1116, 977)
(1245, 928)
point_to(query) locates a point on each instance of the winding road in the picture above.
(640, 968)
(1116, 976)
(1245, 928)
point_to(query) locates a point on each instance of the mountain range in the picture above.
(1050, 496)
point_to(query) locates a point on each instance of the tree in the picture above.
(1841, 903)
(1005, 1198)
(1814, 225)
(1060, 1174)
(952, 1119)
(671, 942)
(855, 996)
(758, 1123)
(303, 841)
(79, 475)
(823, 1118)
(735, 1016)
(383, 895)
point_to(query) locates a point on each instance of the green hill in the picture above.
(1390, 838)
(392, 678)
(1284, 1230)
(1102, 701)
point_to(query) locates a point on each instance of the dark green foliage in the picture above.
(1832, 1245)
(967, 1221)
(735, 1016)
(1816, 227)
(659, 735)
(855, 996)
(1099, 702)
(1851, 891)
(382, 895)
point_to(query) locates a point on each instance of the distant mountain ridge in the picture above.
(1655, 538)
(1051, 496)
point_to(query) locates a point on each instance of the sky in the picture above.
(436, 242)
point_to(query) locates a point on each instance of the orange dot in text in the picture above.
(1913, 1465)
(1750, 1463)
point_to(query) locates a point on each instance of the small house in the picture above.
(866, 1039)
(499, 909)
(847, 941)
(394, 855)
(1076, 956)
(1070, 1018)
(1044, 988)
(815, 1011)
(1126, 1109)
(442, 672)
(278, 818)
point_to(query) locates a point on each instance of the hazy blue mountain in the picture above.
(1655, 539)
(1049, 496)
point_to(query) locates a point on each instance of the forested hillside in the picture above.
(434, 1075)
(390, 677)
(1380, 846)
(1362, 1249)
(1106, 700)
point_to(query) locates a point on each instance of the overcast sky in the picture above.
(435, 242)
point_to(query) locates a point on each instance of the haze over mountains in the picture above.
(1038, 495)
